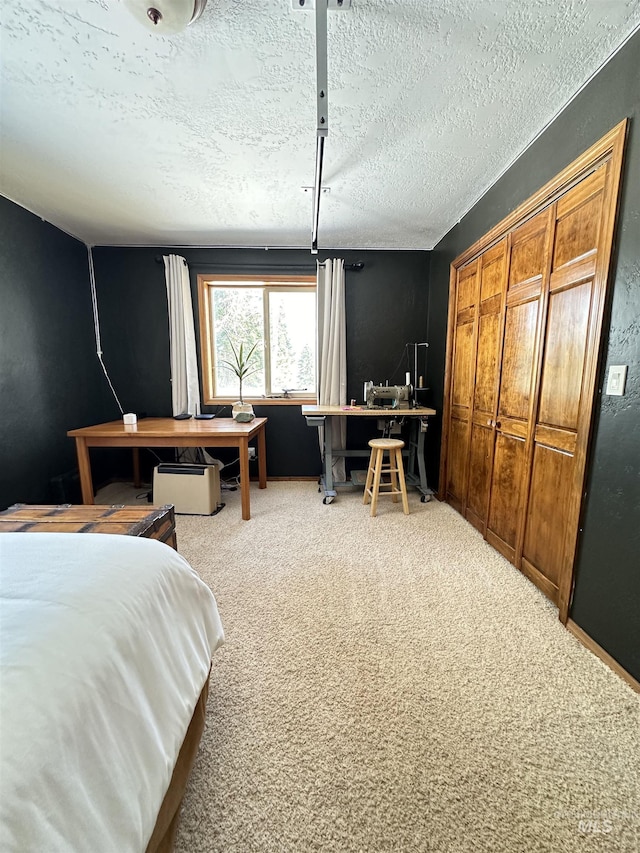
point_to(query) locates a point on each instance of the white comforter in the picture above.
(105, 645)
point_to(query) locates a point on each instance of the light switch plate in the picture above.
(616, 380)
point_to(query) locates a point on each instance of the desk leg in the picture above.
(84, 469)
(410, 469)
(137, 482)
(416, 453)
(422, 468)
(327, 462)
(328, 454)
(244, 478)
(262, 459)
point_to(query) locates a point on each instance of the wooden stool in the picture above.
(377, 468)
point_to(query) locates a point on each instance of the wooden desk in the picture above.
(168, 432)
(323, 416)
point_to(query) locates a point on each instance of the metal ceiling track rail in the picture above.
(322, 110)
(322, 97)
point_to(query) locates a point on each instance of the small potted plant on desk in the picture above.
(241, 366)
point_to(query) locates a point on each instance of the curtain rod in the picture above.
(355, 267)
(159, 260)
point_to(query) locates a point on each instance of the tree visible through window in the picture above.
(279, 315)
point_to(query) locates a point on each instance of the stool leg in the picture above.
(403, 485)
(376, 481)
(367, 485)
(394, 477)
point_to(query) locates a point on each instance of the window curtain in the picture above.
(185, 388)
(332, 352)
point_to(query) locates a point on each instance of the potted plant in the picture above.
(241, 366)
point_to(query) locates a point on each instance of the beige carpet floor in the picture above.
(394, 684)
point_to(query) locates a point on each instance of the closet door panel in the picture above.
(528, 265)
(518, 359)
(554, 498)
(489, 340)
(462, 391)
(547, 516)
(579, 218)
(506, 493)
(528, 253)
(457, 467)
(492, 287)
(467, 287)
(462, 379)
(463, 365)
(492, 272)
(480, 465)
(566, 339)
(483, 418)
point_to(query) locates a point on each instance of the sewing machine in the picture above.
(387, 396)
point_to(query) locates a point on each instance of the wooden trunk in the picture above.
(149, 522)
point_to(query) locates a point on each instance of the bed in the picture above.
(105, 651)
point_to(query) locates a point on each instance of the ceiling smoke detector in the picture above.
(165, 17)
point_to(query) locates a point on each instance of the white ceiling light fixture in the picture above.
(165, 17)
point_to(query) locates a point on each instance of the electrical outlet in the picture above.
(252, 453)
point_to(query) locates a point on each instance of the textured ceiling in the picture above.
(120, 136)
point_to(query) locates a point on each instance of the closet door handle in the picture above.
(497, 424)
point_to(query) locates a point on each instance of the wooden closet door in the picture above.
(490, 316)
(528, 270)
(533, 451)
(463, 374)
(566, 388)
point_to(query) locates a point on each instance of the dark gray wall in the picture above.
(607, 594)
(50, 380)
(386, 305)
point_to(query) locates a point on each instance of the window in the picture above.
(278, 316)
